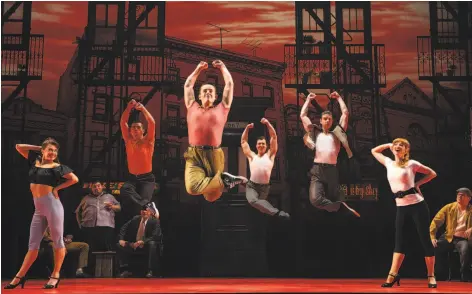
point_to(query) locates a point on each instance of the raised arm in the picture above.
(189, 93)
(273, 137)
(151, 132)
(343, 121)
(23, 149)
(124, 119)
(307, 125)
(377, 152)
(244, 142)
(227, 98)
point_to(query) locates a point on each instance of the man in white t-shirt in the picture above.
(324, 187)
(458, 219)
(261, 164)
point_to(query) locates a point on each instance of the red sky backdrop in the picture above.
(395, 24)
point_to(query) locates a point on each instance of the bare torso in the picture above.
(139, 155)
(205, 126)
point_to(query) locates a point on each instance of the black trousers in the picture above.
(136, 192)
(324, 187)
(463, 247)
(150, 249)
(419, 212)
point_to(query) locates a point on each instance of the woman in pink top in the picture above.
(410, 203)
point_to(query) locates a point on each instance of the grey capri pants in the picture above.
(48, 212)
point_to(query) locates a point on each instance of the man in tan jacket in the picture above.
(458, 219)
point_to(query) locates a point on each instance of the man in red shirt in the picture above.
(205, 159)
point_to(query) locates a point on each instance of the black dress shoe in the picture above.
(126, 274)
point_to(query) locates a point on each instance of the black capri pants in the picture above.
(420, 214)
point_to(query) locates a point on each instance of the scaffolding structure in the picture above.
(335, 52)
(22, 52)
(445, 59)
(121, 56)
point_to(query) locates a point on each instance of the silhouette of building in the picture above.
(26, 120)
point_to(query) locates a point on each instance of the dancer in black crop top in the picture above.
(46, 176)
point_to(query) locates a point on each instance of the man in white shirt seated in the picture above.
(141, 234)
(458, 219)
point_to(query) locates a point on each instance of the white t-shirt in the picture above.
(402, 179)
(327, 148)
(261, 168)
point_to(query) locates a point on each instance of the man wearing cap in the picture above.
(458, 219)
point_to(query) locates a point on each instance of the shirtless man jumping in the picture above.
(324, 187)
(204, 157)
(261, 165)
(139, 151)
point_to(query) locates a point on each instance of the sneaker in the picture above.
(231, 181)
(351, 210)
(153, 208)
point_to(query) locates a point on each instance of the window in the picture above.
(98, 143)
(268, 91)
(100, 107)
(173, 115)
(275, 176)
(212, 80)
(247, 89)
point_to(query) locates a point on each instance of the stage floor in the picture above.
(240, 285)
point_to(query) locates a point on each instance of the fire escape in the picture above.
(22, 52)
(121, 53)
(444, 59)
(336, 52)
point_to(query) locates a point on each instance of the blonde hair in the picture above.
(406, 157)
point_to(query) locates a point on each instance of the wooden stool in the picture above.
(104, 264)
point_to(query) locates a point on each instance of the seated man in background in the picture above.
(458, 219)
(79, 247)
(140, 235)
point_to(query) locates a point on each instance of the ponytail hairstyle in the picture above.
(406, 157)
(51, 141)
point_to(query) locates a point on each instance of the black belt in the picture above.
(257, 184)
(140, 175)
(324, 164)
(205, 147)
(401, 194)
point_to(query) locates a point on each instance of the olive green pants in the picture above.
(203, 168)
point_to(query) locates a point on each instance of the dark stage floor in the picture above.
(223, 285)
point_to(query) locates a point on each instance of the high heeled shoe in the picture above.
(13, 286)
(47, 286)
(396, 279)
(432, 285)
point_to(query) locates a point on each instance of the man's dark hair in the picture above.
(96, 181)
(261, 138)
(327, 112)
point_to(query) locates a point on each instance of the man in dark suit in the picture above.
(141, 234)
